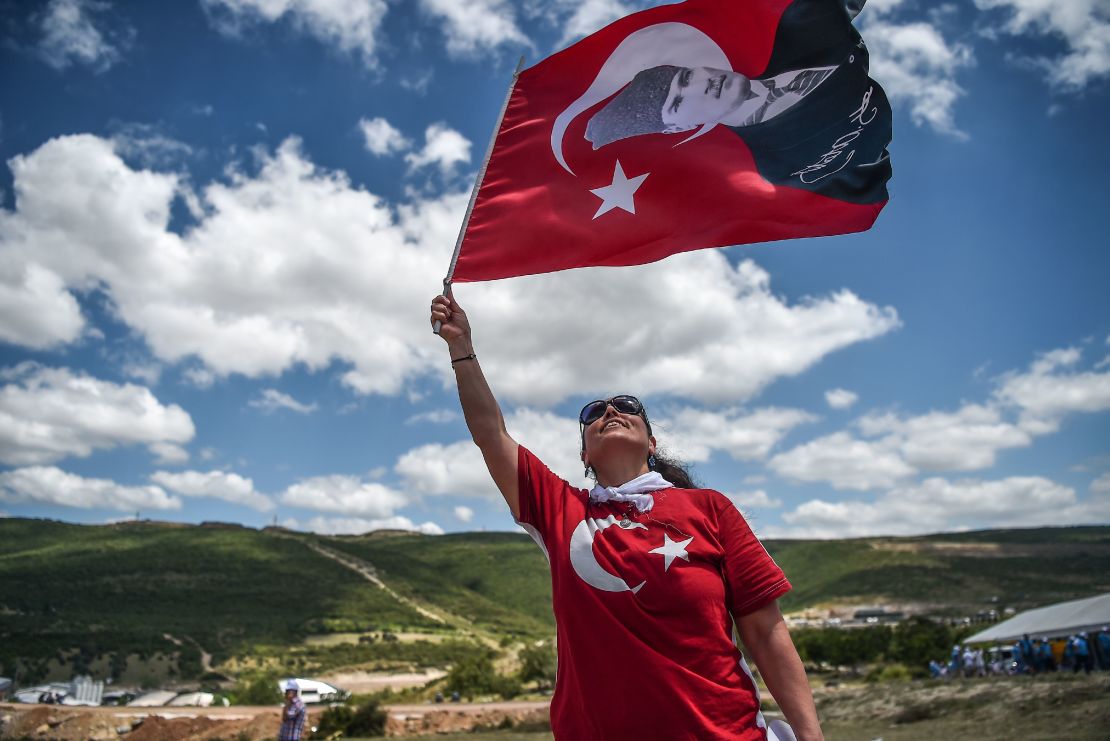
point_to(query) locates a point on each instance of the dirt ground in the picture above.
(1076, 707)
(1046, 708)
(360, 682)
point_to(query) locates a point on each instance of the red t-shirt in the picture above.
(642, 608)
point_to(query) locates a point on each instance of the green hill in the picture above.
(958, 573)
(103, 597)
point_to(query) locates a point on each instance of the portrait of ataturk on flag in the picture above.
(697, 124)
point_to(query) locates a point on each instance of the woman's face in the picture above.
(614, 432)
(703, 95)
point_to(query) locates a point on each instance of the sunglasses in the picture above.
(624, 404)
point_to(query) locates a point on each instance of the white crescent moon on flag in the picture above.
(585, 563)
(664, 43)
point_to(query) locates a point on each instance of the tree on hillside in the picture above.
(918, 640)
(475, 675)
(537, 662)
(262, 690)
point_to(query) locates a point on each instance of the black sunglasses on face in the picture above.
(595, 410)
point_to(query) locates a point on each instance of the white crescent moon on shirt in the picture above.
(585, 563)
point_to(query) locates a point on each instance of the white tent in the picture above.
(192, 699)
(154, 699)
(1054, 621)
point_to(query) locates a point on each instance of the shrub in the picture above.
(333, 720)
(475, 675)
(537, 662)
(368, 719)
(261, 690)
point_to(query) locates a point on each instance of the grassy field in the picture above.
(114, 595)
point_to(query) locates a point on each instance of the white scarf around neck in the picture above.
(635, 491)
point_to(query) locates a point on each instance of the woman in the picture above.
(645, 574)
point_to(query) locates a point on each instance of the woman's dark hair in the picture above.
(673, 471)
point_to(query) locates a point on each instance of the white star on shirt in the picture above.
(618, 194)
(670, 550)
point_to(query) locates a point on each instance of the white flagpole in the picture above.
(477, 185)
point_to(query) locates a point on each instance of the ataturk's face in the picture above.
(703, 95)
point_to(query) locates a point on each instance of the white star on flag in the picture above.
(618, 194)
(670, 550)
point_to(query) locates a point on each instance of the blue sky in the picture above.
(221, 223)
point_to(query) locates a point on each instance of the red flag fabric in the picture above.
(704, 123)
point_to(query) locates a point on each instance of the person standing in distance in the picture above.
(293, 713)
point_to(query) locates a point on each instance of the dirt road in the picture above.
(66, 723)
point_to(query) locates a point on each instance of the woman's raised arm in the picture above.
(480, 409)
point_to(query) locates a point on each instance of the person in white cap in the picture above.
(292, 713)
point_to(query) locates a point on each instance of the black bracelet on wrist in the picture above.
(471, 356)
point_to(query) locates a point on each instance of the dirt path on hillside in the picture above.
(366, 570)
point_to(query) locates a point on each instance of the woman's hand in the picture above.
(454, 326)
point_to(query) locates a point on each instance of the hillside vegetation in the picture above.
(112, 594)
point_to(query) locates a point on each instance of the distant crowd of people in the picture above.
(1078, 652)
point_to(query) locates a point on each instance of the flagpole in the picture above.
(477, 185)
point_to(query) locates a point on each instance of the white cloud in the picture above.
(1051, 389)
(757, 499)
(458, 470)
(917, 67)
(69, 36)
(1082, 25)
(198, 376)
(148, 145)
(938, 504)
(381, 138)
(358, 526)
(229, 487)
(287, 266)
(1101, 485)
(270, 400)
(965, 440)
(464, 514)
(352, 26)
(578, 18)
(36, 310)
(347, 494)
(844, 462)
(840, 398)
(47, 414)
(473, 26)
(669, 340)
(50, 485)
(693, 434)
(443, 147)
(147, 372)
(434, 416)
(589, 16)
(168, 453)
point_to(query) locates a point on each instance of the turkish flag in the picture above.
(704, 123)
